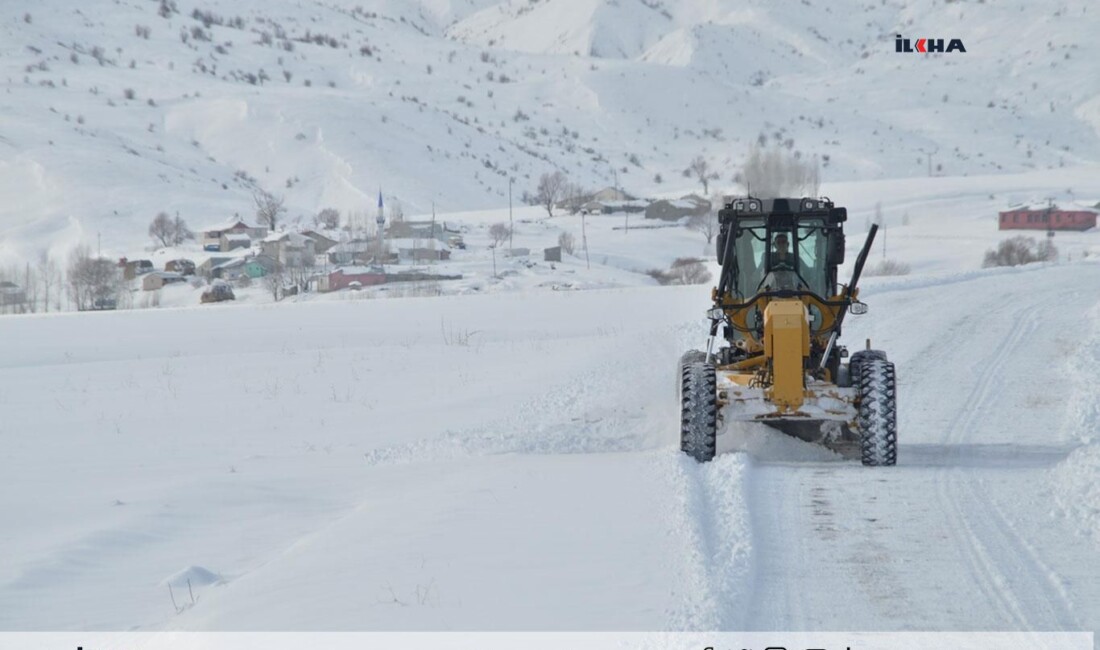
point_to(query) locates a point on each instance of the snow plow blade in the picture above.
(827, 416)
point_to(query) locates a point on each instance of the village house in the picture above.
(157, 279)
(289, 249)
(350, 252)
(212, 235)
(230, 270)
(181, 266)
(360, 253)
(11, 294)
(258, 266)
(594, 202)
(611, 207)
(133, 268)
(420, 250)
(206, 268)
(1047, 216)
(418, 230)
(321, 243)
(343, 277)
(230, 241)
(676, 209)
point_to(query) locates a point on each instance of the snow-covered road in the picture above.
(510, 462)
(965, 533)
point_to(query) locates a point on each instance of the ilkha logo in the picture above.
(929, 45)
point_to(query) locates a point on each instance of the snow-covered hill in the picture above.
(114, 111)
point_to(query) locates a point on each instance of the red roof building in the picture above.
(1047, 217)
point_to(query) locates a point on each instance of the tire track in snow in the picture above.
(1031, 594)
(999, 579)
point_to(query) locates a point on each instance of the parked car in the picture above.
(101, 304)
(219, 291)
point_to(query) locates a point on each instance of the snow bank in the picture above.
(1076, 480)
(1083, 416)
(1077, 489)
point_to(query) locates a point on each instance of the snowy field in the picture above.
(509, 461)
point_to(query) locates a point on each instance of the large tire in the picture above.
(878, 433)
(689, 357)
(692, 356)
(699, 410)
(859, 357)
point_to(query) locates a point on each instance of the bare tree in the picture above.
(705, 224)
(700, 169)
(771, 173)
(567, 242)
(49, 277)
(180, 231)
(499, 232)
(574, 197)
(550, 190)
(397, 213)
(300, 271)
(162, 229)
(268, 208)
(92, 280)
(274, 280)
(327, 218)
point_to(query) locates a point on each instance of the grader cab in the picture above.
(777, 315)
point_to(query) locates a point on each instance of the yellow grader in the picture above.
(779, 310)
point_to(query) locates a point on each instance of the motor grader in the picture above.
(778, 311)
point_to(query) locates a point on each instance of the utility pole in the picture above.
(511, 228)
(433, 233)
(1050, 223)
(381, 220)
(584, 240)
(928, 155)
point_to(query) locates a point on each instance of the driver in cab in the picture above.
(781, 274)
(781, 252)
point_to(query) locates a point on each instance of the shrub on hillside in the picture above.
(684, 270)
(1020, 250)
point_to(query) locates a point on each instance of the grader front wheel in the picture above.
(878, 432)
(698, 410)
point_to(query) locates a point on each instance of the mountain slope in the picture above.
(116, 115)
